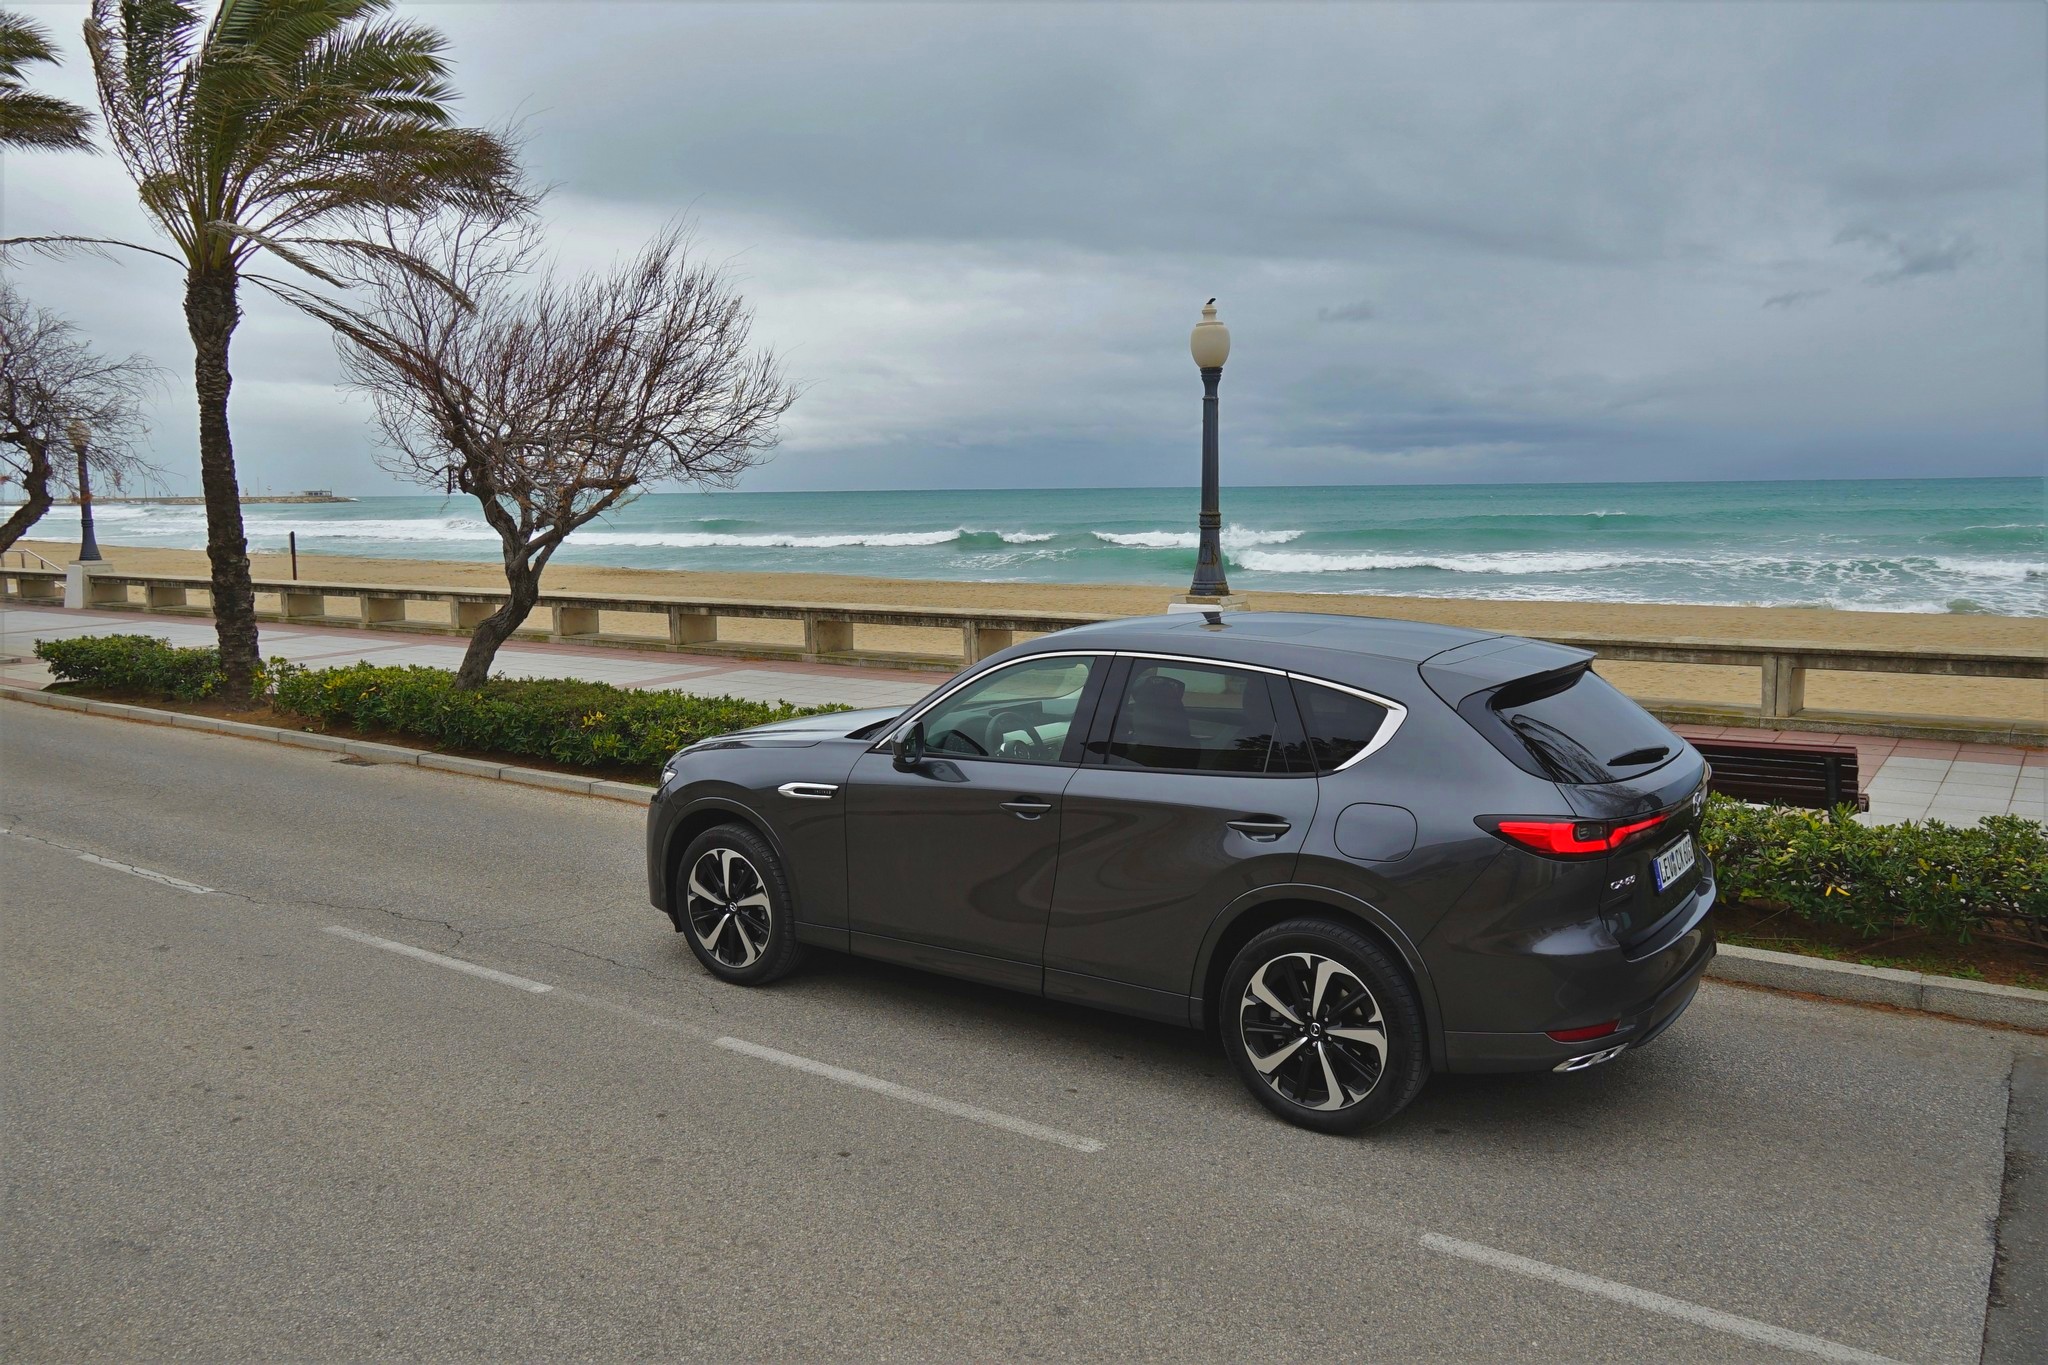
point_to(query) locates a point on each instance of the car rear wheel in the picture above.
(736, 906)
(1323, 1027)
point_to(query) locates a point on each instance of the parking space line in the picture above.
(971, 1113)
(1748, 1328)
(452, 963)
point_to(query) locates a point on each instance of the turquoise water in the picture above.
(1929, 545)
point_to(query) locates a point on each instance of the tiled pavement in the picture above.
(1918, 779)
(1906, 779)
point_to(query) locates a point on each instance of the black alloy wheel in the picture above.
(735, 903)
(1323, 1027)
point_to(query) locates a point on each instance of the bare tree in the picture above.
(551, 400)
(50, 381)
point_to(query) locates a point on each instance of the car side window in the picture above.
(1340, 724)
(1020, 714)
(1186, 717)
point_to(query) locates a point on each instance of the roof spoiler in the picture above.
(1487, 665)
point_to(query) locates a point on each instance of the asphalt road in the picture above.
(232, 1133)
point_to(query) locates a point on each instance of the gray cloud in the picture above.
(1930, 254)
(1794, 298)
(980, 233)
(1360, 311)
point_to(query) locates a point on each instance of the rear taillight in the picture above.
(1568, 838)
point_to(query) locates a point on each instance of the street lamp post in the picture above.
(88, 544)
(1210, 591)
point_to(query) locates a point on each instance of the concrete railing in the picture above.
(693, 625)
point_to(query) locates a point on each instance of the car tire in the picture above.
(1310, 1002)
(734, 907)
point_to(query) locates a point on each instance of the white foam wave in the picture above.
(1518, 562)
(1234, 538)
(2011, 570)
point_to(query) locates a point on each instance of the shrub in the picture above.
(134, 663)
(585, 724)
(1825, 867)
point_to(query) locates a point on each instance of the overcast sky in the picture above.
(1453, 242)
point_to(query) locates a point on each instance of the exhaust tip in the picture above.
(1590, 1059)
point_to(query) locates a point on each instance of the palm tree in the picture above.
(28, 120)
(257, 132)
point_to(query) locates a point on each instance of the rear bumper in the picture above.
(1641, 1021)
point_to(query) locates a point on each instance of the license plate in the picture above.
(1673, 863)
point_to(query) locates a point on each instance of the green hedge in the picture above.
(134, 663)
(1826, 868)
(586, 724)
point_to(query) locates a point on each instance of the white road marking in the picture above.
(145, 874)
(452, 963)
(863, 1081)
(1748, 1328)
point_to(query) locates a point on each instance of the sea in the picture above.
(1902, 545)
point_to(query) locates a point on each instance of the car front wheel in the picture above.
(1323, 1026)
(736, 906)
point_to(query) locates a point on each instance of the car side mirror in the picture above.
(907, 749)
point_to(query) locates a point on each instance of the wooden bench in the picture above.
(1821, 776)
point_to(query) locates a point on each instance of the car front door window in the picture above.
(1021, 714)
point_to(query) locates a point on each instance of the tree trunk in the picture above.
(497, 628)
(35, 488)
(211, 313)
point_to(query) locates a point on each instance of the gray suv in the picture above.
(1357, 850)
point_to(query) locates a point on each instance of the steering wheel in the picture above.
(952, 737)
(1008, 721)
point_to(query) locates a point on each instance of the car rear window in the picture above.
(1580, 730)
(1340, 724)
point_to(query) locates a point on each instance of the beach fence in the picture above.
(922, 639)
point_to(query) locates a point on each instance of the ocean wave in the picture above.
(1518, 562)
(1233, 537)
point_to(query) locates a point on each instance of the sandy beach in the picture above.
(1875, 692)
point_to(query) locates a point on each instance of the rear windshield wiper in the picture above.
(1566, 759)
(1648, 754)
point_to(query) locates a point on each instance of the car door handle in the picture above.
(1265, 830)
(808, 791)
(1027, 807)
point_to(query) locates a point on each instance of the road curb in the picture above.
(1954, 997)
(369, 751)
(1976, 1001)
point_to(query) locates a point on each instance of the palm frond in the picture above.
(28, 120)
(249, 132)
(58, 246)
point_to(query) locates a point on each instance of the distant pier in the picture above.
(248, 499)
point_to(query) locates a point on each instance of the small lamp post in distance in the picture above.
(1209, 343)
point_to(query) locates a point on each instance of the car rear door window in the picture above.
(1340, 724)
(1186, 717)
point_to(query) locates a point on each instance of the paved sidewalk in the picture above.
(1906, 779)
(702, 675)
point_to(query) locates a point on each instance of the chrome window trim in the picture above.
(1396, 712)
